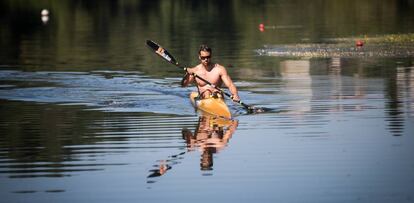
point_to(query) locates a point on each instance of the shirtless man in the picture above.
(215, 73)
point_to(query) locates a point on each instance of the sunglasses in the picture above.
(205, 57)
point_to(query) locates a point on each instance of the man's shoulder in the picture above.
(197, 67)
(220, 67)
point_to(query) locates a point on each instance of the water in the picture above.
(89, 114)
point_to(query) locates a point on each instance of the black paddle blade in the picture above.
(161, 52)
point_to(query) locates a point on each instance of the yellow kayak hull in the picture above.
(212, 106)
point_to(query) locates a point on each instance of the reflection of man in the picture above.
(209, 137)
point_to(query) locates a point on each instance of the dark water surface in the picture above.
(89, 114)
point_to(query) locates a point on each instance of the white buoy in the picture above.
(45, 12)
(45, 19)
(45, 16)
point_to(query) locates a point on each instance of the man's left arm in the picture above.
(229, 83)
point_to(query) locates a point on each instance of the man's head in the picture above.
(204, 54)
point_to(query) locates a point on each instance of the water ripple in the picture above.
(106, 91)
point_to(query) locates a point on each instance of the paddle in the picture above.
(169, 58)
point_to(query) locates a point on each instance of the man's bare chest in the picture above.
(211, 76)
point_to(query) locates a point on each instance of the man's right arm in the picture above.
(188, 77)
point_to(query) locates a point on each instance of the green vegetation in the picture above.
(86, 35)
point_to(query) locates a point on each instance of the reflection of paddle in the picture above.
(169, 58)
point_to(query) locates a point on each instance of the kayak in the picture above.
(212, 106)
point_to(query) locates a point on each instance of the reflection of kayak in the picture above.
(214, 121)
(213, 106)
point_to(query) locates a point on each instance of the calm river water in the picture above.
(89, 114)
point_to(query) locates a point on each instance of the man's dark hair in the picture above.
(206, 48)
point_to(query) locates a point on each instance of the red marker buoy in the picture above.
(261, 27)
(359, 43)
